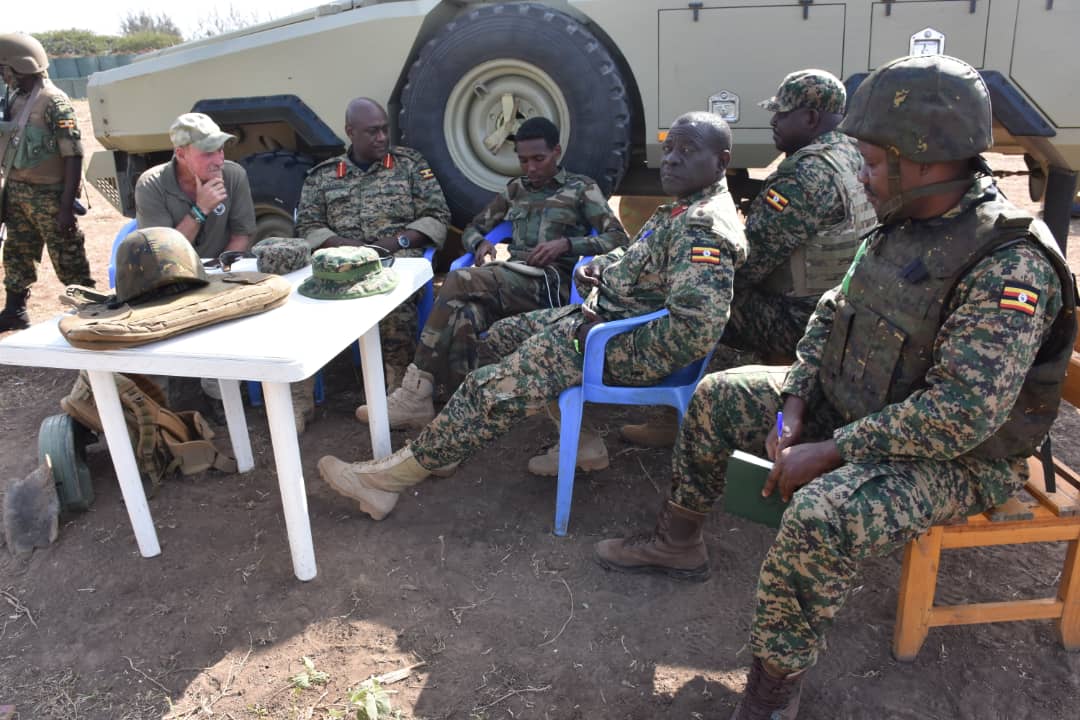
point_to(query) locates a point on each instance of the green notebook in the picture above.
(742, 495)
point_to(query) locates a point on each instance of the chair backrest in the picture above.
(129, 227)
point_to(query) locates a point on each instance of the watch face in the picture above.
(403, 241)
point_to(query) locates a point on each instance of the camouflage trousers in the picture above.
(766, 324)
(31, 226)
(397, 331)
(471, 301)
(538, 363)
(854, 512)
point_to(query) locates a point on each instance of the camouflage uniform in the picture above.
(807, 220)
(395, 194)
(33, 193)
(472, 299)
(907, 466)
(683, 259)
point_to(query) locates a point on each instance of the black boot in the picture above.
(768, 697)
(13, 316)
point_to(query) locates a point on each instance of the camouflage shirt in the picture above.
(980, 357)
(397, 193)
(795, 204)
(51, 134)
(683, 259)
(570, 205)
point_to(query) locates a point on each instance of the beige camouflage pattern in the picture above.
(812, 89)
(378, 202)
(906, 467)
(657, 270)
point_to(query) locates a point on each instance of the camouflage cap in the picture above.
(812, 89)
(156, 260)
(280, 255)
(198, 130)
(347, 272)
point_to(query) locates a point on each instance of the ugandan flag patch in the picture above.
(775, 200)
(66, 123)
(1022, 298)
(426, 174)
(705, 254)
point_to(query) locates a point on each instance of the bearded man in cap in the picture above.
(922, 384)
(200, 193)
(41, 152)
(803, 229)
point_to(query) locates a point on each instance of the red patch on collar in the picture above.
(388, 162)
(341, 169)
(678, 210)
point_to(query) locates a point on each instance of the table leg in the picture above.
(238, 429)
(107, 400)
(375, 393)
(279, 415)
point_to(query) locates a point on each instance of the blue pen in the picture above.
(780, 425)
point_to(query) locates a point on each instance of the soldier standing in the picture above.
(922, 384)
(41, 155)
(803, 229)
(684, 259)
(552, 211)
(377, 195)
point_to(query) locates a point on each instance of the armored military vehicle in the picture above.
(458, 76)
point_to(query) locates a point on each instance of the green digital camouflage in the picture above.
(397, 193)
(814, 89)
(281, 256)
(927, 108)
(31, 225)
(907, 466)
(471, 299)
(154, 260)
(345, 273)
(684, 259)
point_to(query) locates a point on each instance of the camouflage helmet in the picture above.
(23, 53)
(156, 261)
(926, 108)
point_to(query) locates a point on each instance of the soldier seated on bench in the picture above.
(921, 386)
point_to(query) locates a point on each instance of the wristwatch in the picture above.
(403, 241)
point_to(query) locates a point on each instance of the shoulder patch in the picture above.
(775, 200)
(427, 174)
(1019, 297)
(66, 123)
(708, 254)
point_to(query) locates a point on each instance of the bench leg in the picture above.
(1069, 594)
(918, 580)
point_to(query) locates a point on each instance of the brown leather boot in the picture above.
(658, 433)
(769, 697)
(675, 547)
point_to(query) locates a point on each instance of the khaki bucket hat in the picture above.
(347, 272)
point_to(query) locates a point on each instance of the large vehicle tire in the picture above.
(276, 179)
(499, 64)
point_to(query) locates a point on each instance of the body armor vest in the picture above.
(882, 339)
(820, 263)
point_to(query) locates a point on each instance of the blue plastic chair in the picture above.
(674, 390)
(128, 228)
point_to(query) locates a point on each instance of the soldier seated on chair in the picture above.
(552, 212)
(684, 259)
(921, 384)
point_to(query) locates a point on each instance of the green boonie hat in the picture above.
(347, 272)
(812, 89)
(280, 255)
(198, 130)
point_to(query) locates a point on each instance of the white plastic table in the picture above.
(285, 345)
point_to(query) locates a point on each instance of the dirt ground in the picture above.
(465, 583)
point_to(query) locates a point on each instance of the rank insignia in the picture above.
(426, 174)
(341, 169)
(705, 254)
(678, 210)
(388, 162)
(1022, 298)
(775, 200)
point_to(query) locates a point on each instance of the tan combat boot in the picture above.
(592, 454)
(303, 403)
(769, 696)
(659, 433)
(344, 478)
(411, 405)
(675, 547)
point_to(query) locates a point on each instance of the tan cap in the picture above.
(198, 130)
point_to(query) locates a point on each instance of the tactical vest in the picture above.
(882, 339)
(819, 264)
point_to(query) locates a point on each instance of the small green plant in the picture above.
(371, 702)
(309, 676)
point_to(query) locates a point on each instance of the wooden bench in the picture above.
(1046, 517)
